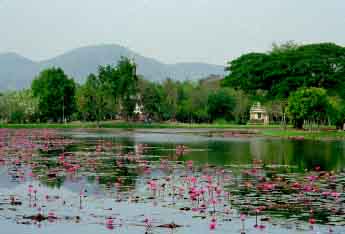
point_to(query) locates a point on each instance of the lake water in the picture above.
(166, 181)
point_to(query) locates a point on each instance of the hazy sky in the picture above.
(212, 31)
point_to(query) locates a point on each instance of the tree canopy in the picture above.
(308, 104)
(92, 100)
(55, 93)
(121, 82)
(18, 106)
(289, 68)
(221, 105)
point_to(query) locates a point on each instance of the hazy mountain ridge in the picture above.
(17, 72)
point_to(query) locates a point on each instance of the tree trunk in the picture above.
(298, 123)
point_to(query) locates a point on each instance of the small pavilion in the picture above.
(258, 114)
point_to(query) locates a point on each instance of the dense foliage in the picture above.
(308, 104)
(18, 107)
(295, 83)
(289, 68)
(56, 95)
(120, 82)
(92, 101)
(272, 77)
(191, 102)
(221, 105)
(111, 92)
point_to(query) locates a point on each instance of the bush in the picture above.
(310, 104)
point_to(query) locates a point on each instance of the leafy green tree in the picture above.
(55, 93)
(286, 69)
(242, 107)
(246, 71)
(193, 106)
(152, 101)
(110, 79)
(310, 104)
(284, 47)
(92, 100)
(336, 113)
(18, 107)
(276, 110)
(121, 82)
(221, 105)
(170, 92)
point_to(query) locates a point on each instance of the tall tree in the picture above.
(242, 107)
(121, 82)
(55, 93)
(221, 105)
(286, 46)
(18, 106)
(92, 99)
(152, 101)
(336, 115)
(128, 86)
(170, 92)
(310, 104)
(286, 69)
(193, 104)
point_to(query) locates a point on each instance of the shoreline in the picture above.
(227, 130)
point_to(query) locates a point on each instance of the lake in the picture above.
(168, 181)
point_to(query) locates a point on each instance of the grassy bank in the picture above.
(270, 130)
(136, 125)
(313, 135)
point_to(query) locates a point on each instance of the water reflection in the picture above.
(87, 173)
(306, 154)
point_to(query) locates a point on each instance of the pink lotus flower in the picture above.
(212, 225)
(242, 217)
(311, 178)
(325, 193)
(192, 179)
(213, 201)
(152, 185)
(30, 189)
(260, 227)
(335, 194)
(312, 221)
(109, 223)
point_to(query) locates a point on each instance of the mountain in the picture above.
(17, 72)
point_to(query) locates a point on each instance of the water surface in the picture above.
(88, 181)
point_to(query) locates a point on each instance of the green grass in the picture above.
(182, 125)
(135, 125)
(270, 130)
(314, 135)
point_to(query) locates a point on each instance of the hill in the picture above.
(17, 72)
